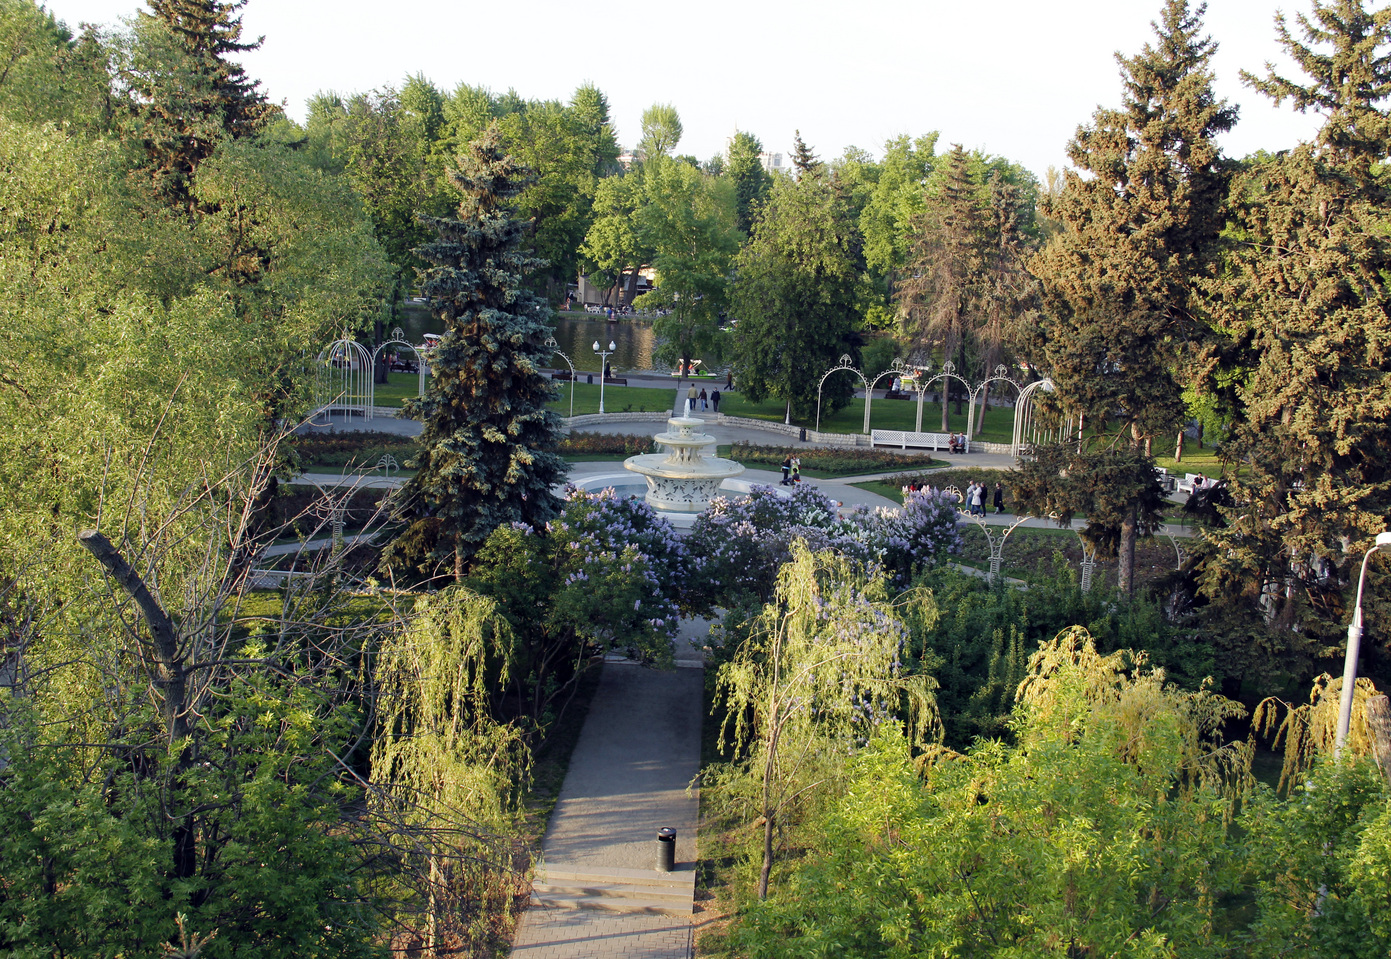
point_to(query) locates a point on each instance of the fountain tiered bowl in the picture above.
(684, 479)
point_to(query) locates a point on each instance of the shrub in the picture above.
(829, 460)
(606, 444)
(360, 448)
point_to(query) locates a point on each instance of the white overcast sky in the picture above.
(1010, 77)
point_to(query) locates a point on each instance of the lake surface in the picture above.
(575, 337)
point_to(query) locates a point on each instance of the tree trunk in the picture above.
(1125, 572)
(1178, 448)
(632, 291)
(767, 856)
(984, 402)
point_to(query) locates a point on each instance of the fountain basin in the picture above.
(684, 479)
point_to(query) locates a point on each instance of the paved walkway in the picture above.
(597, 893)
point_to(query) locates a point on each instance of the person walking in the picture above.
(691, 397)
(796, 470)
(999, 498)
(786, 470)
(978, 499)
(704, 400)
(715, 400)
(728, 380)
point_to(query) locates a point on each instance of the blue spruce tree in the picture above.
(489, 442)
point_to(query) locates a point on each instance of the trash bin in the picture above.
(802, 435)
(590, 379)
(666, 849)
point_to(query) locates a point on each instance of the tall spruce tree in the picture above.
(188, 94)
(1306, 310)
(940, 293)
(1138, 231)
(489, 442)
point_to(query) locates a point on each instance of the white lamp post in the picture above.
(603, 365)
(1354, 647)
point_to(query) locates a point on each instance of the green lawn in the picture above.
(617, 399)
(885, 415)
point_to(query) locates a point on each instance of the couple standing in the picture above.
(977, 494)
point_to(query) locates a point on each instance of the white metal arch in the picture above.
(555, 349)
(948, 373)
(847, 365)
(896, 368)
(1001, 375)
(1025, 432)
(343, 378)
(398, 340)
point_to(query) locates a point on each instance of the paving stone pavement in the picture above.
(583, 933)
(628, 777)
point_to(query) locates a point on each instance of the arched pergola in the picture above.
(555, 349)
(1026, 431)
(923, 384)
(845, 365)
(343, 378)
(896, 368)
(397, 341)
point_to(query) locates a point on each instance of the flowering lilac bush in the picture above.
(604, 575)
(738, 546)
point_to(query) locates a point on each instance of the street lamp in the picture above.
(603, 366)
(1354, 646)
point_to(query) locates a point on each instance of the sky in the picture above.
(1012, 78)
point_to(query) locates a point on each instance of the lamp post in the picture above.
(603, 365)
(1354, 647)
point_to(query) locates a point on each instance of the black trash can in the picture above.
(666, 849)
(590, 379)
(802, 435)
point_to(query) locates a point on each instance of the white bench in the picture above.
(1185, 485)
(903, 439)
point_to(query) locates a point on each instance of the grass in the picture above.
(884, 415)
(617, 399)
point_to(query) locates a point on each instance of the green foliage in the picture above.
(818, 672)
(89, 846)
(688, 222)
(985, 634)
(188, 94)
(616, 444)
(601, 577)
(1112, 488)
(1305, 319)
(751, 181)
(1105, 832)
(489, 440)
(1320, 865)
(797, 297)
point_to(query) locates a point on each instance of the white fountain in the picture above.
(685, 479)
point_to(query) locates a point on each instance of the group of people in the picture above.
(705, 400)
(792, 470)
(978, 494)
(957, 442)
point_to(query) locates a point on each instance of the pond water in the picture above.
(575, 336)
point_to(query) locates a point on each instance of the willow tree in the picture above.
(438, 756)
(819, 670)
(1139, 220)
(489, 442)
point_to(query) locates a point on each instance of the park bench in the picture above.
(1185, 485)
(903, 439)
(897, 395)
(560, 374)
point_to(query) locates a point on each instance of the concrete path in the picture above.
(597, 893)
